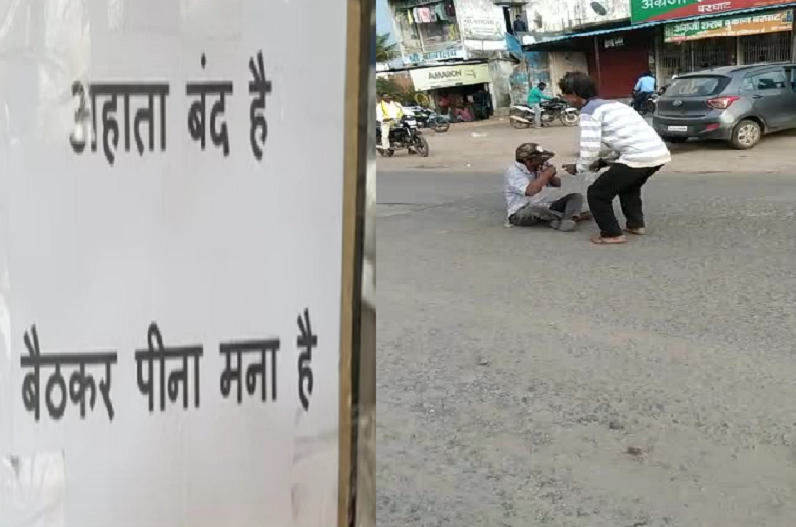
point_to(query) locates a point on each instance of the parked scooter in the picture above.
(428, 118)
(523, 116)
(404, 136)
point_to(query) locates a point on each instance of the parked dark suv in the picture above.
(738, 104)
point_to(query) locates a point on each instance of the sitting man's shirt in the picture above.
(618, 128)
(516, 180)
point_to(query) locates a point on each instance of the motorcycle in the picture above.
(649, 103)
(522, 116)
(428, 118)
(404, 135)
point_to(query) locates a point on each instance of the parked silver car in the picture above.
(738, 104)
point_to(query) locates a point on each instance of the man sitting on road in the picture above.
(535, 98)
(533, 192)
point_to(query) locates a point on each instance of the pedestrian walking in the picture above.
(635, 152)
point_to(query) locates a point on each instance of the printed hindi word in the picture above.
(79, 382)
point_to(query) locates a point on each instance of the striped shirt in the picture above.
(618, 128)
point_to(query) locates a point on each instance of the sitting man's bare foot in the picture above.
(599, 240)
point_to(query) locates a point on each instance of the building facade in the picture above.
(454, 49)
(620, 39)
(615, 41)
(720, 34)
(578, 35)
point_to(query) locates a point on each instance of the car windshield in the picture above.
(705, 86)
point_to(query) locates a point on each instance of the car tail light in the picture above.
(722, 103)
(711, 127)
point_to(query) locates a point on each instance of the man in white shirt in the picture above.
(533, 191)
(388, 112)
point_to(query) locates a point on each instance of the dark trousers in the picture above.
(639, 98)
(569, 206)
(561, 209)
(625, 182)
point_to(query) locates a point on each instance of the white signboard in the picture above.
(170, 265)
(481, 20)
(444, 76)
(435, 56)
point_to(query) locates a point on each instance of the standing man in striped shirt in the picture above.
(636, 152)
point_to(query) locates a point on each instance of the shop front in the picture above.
(619, 59)
(461, 91)
(615, 57)
(740, 39)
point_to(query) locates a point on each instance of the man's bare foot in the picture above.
(641, 231)
(599, 240)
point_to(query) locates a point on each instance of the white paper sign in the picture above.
(191, 220)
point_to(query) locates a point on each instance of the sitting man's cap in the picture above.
(532, 151)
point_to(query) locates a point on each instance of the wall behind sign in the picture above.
(534, 68)
(547, 16)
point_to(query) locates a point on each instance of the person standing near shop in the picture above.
(444, 103)
(613, 130)
(482, 102)
(387, 112)
(535, 99)
(520, 26)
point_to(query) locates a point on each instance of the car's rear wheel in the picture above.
(746, 135)
(675, 140)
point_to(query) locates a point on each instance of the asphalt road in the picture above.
(527, 377)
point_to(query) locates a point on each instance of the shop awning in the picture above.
(551, 42)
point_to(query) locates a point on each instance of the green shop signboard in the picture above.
(729, 26)
(652, 10)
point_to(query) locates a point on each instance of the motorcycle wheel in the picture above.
(646, 107)
(421, 145)
(570, 118)
(441, 126)
(519, 125)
